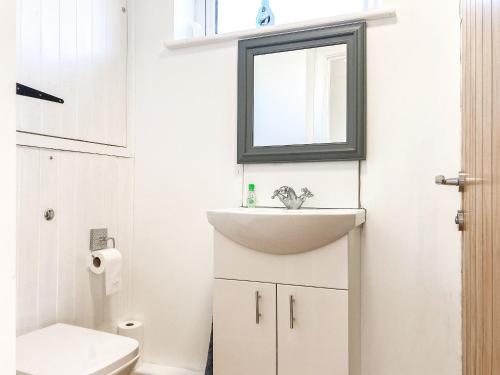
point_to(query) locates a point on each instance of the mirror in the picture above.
(301, 96)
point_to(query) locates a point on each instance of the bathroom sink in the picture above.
(281, 231)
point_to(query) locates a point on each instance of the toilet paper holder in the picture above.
(99, 239)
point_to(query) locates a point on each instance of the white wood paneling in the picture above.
(76, 50)
(48, 238)
(86, 191)
(7, 187)
(53, 143)
(28, 216)
(67, 223)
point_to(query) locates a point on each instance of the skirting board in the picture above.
(152, 369)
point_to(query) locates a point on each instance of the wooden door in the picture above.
(313, 333)
(244, 343)
(481, 198)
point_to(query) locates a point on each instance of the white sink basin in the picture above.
(281, 231)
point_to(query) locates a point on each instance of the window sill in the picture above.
(370, 15)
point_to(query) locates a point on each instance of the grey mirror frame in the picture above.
(354, 36)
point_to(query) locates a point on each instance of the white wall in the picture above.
(53, 281)
(8, 185)
(411, 249)
(334, 184)
(184, 164)
(284, 11)
(186, 113)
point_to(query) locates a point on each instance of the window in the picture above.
(194, 18)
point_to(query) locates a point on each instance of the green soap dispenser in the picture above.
(251, 198)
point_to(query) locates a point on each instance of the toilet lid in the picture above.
(63, 349)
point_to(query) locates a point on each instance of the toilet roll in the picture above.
(134, 330)
(109, 262)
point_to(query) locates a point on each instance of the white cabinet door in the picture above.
(77, 51)
(312, 331)
(244, 328)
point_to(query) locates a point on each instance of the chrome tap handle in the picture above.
(282, 192)
(307, 193)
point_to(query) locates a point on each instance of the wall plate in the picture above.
(98, 239)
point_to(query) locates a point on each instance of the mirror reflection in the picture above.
(300, 97)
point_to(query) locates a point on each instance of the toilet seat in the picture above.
(63, 349)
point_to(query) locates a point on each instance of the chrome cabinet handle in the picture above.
(257, 307)
(292, 317)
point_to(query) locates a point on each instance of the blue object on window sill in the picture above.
(265, 17)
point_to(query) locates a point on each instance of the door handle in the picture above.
(460, 220)
(257, 307)
(457, 181)
(460, 183)
(292, 312)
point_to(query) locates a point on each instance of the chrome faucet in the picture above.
(289, 198)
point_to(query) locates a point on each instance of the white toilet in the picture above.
(63, 349)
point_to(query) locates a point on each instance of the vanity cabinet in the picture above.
(281, 308)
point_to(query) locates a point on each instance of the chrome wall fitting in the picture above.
(460, 220)
(49, 214)
(99, 239)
